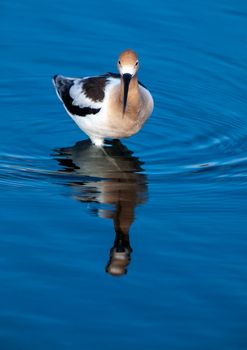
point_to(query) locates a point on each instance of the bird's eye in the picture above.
(136, 64)
(119, 62)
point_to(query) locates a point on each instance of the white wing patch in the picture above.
(79, 98)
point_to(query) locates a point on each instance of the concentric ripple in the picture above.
(200, 125)
(175, 194)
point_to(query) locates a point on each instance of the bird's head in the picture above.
(128, 66)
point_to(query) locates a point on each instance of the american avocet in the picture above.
(110, 105)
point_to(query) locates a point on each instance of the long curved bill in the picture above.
(126, 79)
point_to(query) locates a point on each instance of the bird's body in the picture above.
(107, 106)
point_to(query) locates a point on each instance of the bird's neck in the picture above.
(133, 100)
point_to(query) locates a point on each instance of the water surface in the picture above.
(141, 244)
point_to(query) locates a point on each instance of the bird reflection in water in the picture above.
(113, 178)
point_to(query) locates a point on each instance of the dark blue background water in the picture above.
(185, 182)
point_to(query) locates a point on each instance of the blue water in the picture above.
(177, 190)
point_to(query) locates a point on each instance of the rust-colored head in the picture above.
(128, 62)
(128, 65)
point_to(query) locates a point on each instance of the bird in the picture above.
(107, 106)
